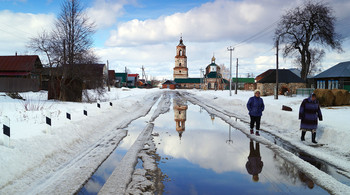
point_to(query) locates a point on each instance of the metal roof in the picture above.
(244, 80)
(19, 63)
(188, 80)
(284, 76)
(169, 82)
(340, 70)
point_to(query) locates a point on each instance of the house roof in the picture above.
(296, 71)
(244, 80)
(120, 74)
(340, 70)
(284, 76)
(188, 80)
(133, 75)
(19, 63)
(169, 82)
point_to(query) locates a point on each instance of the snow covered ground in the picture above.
(35, 153)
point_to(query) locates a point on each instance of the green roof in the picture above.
(244, 80)
(188, 80)
(123, 75)
(213, 75)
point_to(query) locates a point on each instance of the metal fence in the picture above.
(305, 91)
(19, 84)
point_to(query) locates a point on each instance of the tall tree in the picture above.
(305, 30)
(73, 32)
(68, 45)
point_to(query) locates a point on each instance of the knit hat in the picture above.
(257, 90)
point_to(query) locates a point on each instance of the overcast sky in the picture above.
(133, 33)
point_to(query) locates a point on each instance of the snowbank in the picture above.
(35, 156)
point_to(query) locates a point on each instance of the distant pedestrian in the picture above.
(255, 106)
(309, 112)
(254, 165)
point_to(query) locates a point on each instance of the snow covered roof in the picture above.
(340, 70)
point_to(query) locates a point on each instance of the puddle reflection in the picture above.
(214, 158)
(180, 107)
(254, 165)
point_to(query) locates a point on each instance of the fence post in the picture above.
(6, 130)
(85, 111)
(48, 122)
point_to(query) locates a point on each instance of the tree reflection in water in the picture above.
(293, 174)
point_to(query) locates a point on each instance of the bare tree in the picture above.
(225, 72)
(306, 28)
(316, 58)
(42, 43)
(67, 46)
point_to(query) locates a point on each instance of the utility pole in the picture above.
(276, 90)
(236, 77)
(200, 78)
(230, 49)
(108, 82)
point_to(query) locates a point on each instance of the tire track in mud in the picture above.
(123, 175)
(68, 176)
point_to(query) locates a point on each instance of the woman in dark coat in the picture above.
(309, 113)
(255, 106)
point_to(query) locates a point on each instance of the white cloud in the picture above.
(17, 28)
(106, 12)
(213, 21)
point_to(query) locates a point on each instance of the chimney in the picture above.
(16, 53)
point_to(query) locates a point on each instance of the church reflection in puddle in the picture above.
(180, 107)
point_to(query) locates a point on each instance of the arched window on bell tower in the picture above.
(180, 64)
(180, 52)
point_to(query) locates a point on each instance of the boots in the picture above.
(314, 137)
(303, 135)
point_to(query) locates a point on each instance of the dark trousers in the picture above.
(255, 119)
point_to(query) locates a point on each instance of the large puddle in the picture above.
(201, 154)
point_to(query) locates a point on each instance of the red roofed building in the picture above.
(133, 80)
(20, 73)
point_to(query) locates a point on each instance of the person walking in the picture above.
(255, 106)
(309, 112)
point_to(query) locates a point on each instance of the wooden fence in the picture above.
(19, 84)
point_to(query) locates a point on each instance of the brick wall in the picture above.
(269, 88)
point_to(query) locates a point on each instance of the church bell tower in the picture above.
(180, 69)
